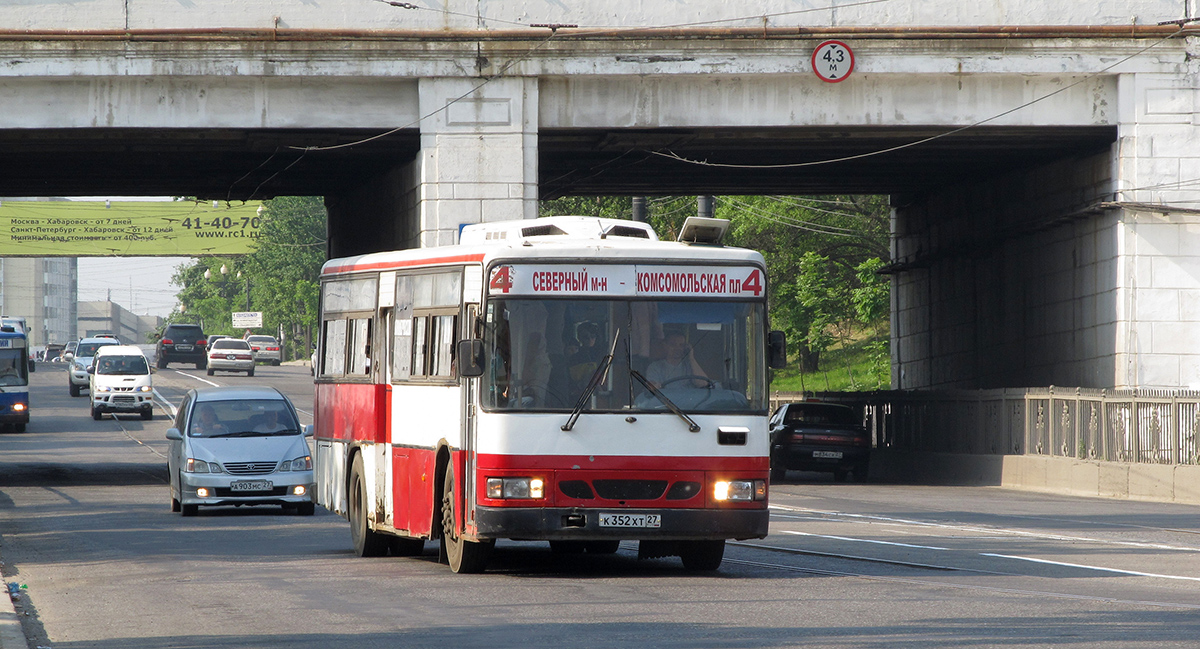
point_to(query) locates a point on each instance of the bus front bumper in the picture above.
(574, 523)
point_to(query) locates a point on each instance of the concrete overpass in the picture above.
(1040, 154)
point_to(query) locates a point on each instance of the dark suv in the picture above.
(183, 343)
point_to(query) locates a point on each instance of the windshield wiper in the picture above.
(244, 433)
(692, 425)
(597, 378)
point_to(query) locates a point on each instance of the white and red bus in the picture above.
(566, 379)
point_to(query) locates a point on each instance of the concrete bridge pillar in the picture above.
(478, 159)
(477, 162)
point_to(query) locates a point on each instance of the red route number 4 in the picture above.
(501, 280)
(753, 283)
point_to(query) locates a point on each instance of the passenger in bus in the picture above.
(206, 423)
(585, 357)
(678, 362)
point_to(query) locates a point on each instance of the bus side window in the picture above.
(334, 344)
(359, 335)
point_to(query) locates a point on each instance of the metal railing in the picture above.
(1136, 426)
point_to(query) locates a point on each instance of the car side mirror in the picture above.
(308, 430)
(174, 435)
(68, 357)
(470, 358)
(91, 369)
(776, 350)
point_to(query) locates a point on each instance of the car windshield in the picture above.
(88, 350)
(122, 365)
(702, 356)
(252, 418)
(14, 367)
(821, 415)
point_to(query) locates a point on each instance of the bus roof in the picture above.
(546, 240)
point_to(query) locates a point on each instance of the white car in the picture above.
(239, 446)
(230, 355)
(120, 382)
(78, 377)
(266, 349)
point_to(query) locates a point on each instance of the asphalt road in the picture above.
(85, 525)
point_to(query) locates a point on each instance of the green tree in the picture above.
(821, 253)
(279, 277)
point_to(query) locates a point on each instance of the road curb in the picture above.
(11, 635)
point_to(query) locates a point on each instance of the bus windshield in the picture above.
(702, 356)
(14, 367)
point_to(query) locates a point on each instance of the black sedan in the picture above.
(812, 436)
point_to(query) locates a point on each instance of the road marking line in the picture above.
(987, 530)
(215, 385)
(1086, 567)
(164, 404)
(846, 538)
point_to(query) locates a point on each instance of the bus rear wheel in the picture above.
(464, 556)
(367, 542)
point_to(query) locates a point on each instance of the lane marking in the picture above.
(846, 538)
(1087, 567)
(215, 385)
(164, 403)
(987, 530)
(942, 584)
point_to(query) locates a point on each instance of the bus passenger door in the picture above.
(469, 416)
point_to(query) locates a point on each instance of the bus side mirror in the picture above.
(470, 358)
(776, 350)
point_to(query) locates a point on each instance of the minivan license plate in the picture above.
(251, 485)
(830, 455)
(630, 520)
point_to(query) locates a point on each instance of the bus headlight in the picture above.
(516, 488)
(739, 490)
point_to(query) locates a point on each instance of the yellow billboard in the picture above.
(127, 228)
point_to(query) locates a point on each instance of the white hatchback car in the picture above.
(119, 381)
(239, 446)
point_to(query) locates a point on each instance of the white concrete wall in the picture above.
(499, 15)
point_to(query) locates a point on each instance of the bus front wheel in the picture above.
(464, 556)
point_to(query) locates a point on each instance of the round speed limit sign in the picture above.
(833, 61)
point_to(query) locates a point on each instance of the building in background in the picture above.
(43, 290)
(109, 317)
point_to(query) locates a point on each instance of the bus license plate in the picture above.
(831, 455)
(630, 520)
(251, 485)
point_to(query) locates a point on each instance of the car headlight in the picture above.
(298, 464)
(103, 388)
(145, 388)
(200, 466)
(516, 488)
(739, 490)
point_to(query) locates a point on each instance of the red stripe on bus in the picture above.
(400, 263)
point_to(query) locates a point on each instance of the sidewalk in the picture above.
(11, 635)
